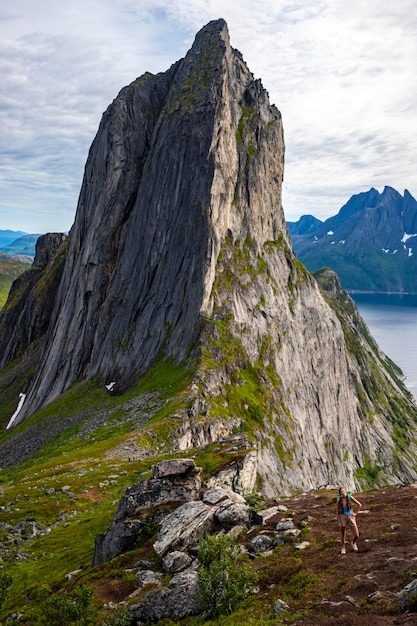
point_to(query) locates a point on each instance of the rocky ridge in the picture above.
(26, 315)
(370, 243)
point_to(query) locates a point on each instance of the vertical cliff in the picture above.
(180, 251)
(180, 160)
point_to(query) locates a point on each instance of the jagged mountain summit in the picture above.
(180, 252)
(371, 243)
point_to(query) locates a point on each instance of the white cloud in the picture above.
(342, 74)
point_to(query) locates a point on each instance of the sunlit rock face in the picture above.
(180, 251)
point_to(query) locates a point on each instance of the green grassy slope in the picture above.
(10, 269)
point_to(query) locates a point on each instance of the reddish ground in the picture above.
(385, 563)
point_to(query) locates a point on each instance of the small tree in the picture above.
(223, 579)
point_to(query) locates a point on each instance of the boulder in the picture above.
(175, 480)
(218, 494)
(408, 597)
(230, 514)
(286, 536)
(286, 524)
(187, 579)
(174, 604)
(262, 517)
(241, 478)
(148, 577)
(120, 537)
(260, 543)
(280, 607)
(184, 527)
(175, 467)
(176, 561)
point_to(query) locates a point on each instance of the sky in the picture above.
(343, 74)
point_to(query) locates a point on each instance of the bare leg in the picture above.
(343, 538)
(355, 532)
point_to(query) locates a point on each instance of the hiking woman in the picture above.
(346, 517)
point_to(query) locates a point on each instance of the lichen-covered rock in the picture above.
(176, 561)
(175, 467)
(173, 481)
(285, 536)
(184, 527)
(262, 517)
(157, 491)
(185, 579)
(166, 603)
(241, 478)
(230, 514)
(260, 543)
(148, 577)
(216, 495)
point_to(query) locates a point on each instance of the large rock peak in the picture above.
(180, 251)
(181, 161)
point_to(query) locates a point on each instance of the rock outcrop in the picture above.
(180, 251)
(173, 482)
(214, 511)
(172, 498)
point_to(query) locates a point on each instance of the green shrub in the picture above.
(68, 608)
(5, 582)
(119, 617)
(224, 580)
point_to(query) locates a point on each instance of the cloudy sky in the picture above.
(343, 75)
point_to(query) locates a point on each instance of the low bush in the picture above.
(224, 579)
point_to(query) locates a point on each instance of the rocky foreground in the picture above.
(294, 537)
(146, 560)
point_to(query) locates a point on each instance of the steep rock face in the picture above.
(315, 396)
(28, 309)
(180, 159)
(180, 251)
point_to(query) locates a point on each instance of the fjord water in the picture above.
(392, 320)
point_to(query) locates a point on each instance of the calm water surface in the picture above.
(392, 320)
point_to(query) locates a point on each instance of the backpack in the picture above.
(349, 495)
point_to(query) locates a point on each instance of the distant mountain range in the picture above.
(18, 242)
(371, 243)
(17, 251)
